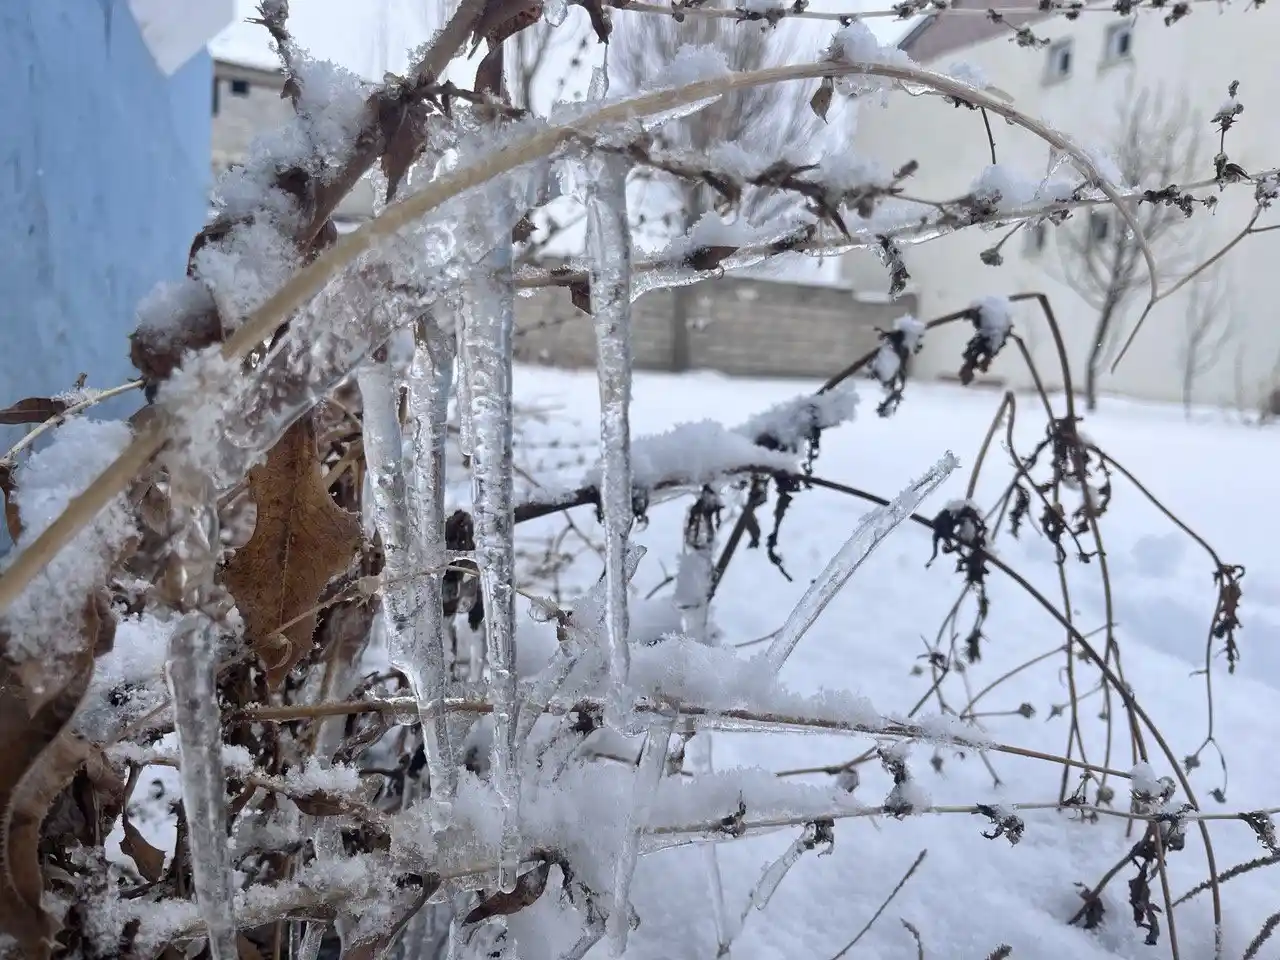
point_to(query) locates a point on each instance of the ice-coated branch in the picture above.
(648, 778)
(309, 280)
(487, 367)
(609, 245)
(872, 529)
(430, 377)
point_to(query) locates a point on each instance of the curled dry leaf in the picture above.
(529, 887)
(149, 859)
(12, 519)
(32, 410)
(301, 540)
(38, 758)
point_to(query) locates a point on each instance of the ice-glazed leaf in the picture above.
(529, 887)
(32, 410)
(302, 540)
(38, 758)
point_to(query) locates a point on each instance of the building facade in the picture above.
(1094, 78)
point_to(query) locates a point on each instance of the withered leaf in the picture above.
(12, 519)
(32, 410)
(529, 887)
(150, 861)
(301, 540)
(38, 758)
(708, 258)
(820, 103)
(403, 127)
(320, 804)
(580, 294)
(599, 18)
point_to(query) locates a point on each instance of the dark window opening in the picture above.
(240, 88)
(1099, 227)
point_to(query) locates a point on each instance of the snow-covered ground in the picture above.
(971, 894)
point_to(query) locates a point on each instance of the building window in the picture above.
(1060, 60)
(1037, 238)
(1119, 42)
(240, 88)
(216, 84)
(1099, 227)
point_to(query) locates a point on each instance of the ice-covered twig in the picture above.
(873, 528)
(648, 777)
(312, 278)
(609, 242)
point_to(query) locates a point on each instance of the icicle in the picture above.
(430, 377)
(694, 573)
(609, 247)
(487, 366)
(873, 528)
(777, 871)
(702, 762)
(309, 948)
(193, 684)
(648, 778)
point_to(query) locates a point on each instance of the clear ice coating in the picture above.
(872, 529)
(398, 515)
(609, 274)
(430, 377)
(648, 777)
(486, 362)
(192, 674)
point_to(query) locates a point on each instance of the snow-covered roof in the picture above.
(368, 37)
(176, 30)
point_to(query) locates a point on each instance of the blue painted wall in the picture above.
(104, 175)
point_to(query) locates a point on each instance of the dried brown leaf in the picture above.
(580, 294)
(320, 804)
(12, 519)
(150, 861)
(529, 887)
(32, 410)
(301, 540)
(38, 758)
(403, 135)
(820, 103)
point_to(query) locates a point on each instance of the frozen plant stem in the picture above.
(873, 528)
(648, 778)
(430, 378)
(487, 368)
(192, 674)
(609, 249)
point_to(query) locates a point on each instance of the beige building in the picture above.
(1216, 340)
(247, 102)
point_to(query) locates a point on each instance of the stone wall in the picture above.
(738, 326)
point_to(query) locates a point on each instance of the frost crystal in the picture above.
(45, 619)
